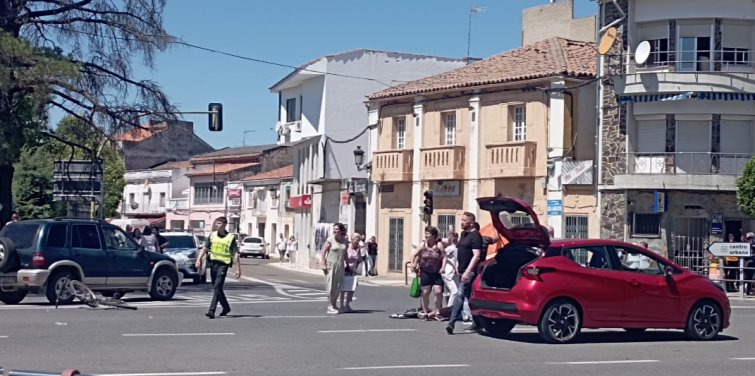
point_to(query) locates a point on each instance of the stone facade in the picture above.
(613, 215)
(556, 20)
(176, 142)
(717, 44)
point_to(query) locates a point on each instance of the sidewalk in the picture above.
(377, 281)
(735, 296)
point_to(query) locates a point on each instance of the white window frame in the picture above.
(400, 133)
(520, 123)
(450, 127)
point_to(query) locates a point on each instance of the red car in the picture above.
(564, 285)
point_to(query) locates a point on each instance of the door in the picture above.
(127, 264)
(736, 146)
(395, 244)
(261, 230)
(650, 297)
(734, 228)
(598, 286)
(693, 145)
(651, 148)
(87, 251)
(690, 240)
(360, 216)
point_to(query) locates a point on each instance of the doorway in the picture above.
(395, 244)
(360, 216)
(261, 230)
(690, 240)
(274, 232)
(733, 227)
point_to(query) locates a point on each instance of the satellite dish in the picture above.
(609, 37)
(642, 53)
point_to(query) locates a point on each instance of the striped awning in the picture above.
(655, 97)
(725, 96)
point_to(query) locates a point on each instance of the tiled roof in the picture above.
(547, 58)
(220, 169)
(284, 172)
(243, 151)
(138, 134)
(172, 165)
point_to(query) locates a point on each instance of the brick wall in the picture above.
(556, 20)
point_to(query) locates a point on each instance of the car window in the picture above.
(117, 240)
(253, 240)
(85, 236)
(21, 234)
(180, 241)
(593, 256)
(56, 235)
(633, 260)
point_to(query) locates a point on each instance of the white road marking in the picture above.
(609, 362)
(305, 290)
(743, 307)
(407, 367)
(296, 317)
(366, 330)
(167, 304)
(312, 293)
(3, 336)
(300, 281)
(177, 334)
(164, 374)
(742, 358)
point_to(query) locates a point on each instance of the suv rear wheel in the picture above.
(12, 297)
(55, 285)
(8, 255)
(560, 322)
(164, 285)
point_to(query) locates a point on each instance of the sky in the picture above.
(292, 32)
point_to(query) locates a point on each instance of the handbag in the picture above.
(349, 283)
(415, 291)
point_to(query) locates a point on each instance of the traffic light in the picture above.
(215, 117)
(428, 202)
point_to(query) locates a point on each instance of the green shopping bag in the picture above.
(415, 291)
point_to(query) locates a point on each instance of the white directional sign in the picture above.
(730, 249)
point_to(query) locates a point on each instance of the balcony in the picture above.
(726, 72)
(698, 171)
(509, 159)
(141, 176)
(442, 163)
(178, 204)
(136, 208)
(392, 165)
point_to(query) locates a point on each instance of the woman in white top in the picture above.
(450, 275)
(149, 241)
(291, 250)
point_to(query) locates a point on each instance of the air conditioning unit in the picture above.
(296, 126)
(134, 205)
(285, 129)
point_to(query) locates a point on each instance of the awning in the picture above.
(699, 95)
(725, 96)
(156, 220)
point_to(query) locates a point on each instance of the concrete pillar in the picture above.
(371, 226)
(555, 154)
(473, 155)
(416, 182)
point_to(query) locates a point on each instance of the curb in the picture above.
(366, 281)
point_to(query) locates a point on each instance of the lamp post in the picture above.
(359, 160)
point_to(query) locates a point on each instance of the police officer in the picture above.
(223, 252)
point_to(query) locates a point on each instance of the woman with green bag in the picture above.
(429, 260)
(415, 291)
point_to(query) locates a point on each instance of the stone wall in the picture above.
(613, 215)
(556, 20)
(174, 144)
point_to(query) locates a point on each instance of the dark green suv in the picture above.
(38, 255)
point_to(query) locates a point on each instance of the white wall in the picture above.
(652, 10)
(310, 92)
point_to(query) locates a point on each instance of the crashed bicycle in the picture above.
(80, 291)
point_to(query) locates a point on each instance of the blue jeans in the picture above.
(371, 264)
(465, 291)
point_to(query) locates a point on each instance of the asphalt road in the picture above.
(279, 327)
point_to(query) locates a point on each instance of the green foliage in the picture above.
(32, 185)
(746, 189)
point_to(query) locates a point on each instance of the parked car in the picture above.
(254, 246)
(565, 285)
(184, 247)
(38, 255)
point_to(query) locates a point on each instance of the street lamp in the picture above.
(359, 160)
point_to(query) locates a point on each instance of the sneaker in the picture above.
(472, 329)
(225, 312)
(450, 328)
(333, 311)
(210, 315)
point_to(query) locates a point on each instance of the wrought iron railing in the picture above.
(686, 163)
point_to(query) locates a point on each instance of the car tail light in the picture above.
(38, 259)
(534, 272)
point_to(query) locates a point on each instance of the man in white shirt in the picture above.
(281, 246)
(13, 218)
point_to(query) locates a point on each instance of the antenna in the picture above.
(473, 10)
(607, 41)
(642, 53)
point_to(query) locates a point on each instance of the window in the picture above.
(520, 123)
(646, 224)
(56, 236)
(633, 260)
(274, 199)
(117, 240)
(290, 110)
(449, 120)
(196, 225)
(206, 193)
(520, 219)
(262, 199)
(694, 54)
(162, 199)
(131, 198)
(575, 227)
(595, 257)
(400, 133)
(736, 56)
(21, 234)
(181, 241)
(658, 52)
(445, 223)
(737, 43)
(253, 241)
(85, 236)
(176, 225)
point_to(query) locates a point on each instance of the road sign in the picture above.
(77, 179)
(555, 207)
(721, 249)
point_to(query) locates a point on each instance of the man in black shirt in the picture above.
(468, 250)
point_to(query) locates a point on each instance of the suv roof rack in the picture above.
(79, 219)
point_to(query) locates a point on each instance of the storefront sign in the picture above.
(344, 197)
(358, 186)
(660, 202)
(303, 201)
(577, 172)
(717, 224)
(234, 193)
(445, 188)
(555, 207)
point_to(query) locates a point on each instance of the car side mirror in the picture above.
(140, 248)
(668, 272)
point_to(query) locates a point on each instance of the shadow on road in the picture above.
(612, 337)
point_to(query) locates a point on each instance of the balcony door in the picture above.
(693, 146)
(395, 244)
(736, 146)
(651, 147)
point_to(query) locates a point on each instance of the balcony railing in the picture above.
(178, 203)
(509, 159)
(145, 175)
(442, 162)
(140, 208)
(392, 165)
(686, 163)
(730, 60)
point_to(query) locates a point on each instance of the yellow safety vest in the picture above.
(220, 248)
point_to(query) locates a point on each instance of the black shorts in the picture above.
(430, 279)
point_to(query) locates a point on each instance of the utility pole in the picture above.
(473, 10)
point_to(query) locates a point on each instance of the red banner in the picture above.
(303, 201)
(234, 193)
(344, 197)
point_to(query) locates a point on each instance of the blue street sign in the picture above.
(555, 207)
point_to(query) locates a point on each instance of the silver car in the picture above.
(184, 247)
(254, 246)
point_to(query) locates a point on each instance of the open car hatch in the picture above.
(516, 221)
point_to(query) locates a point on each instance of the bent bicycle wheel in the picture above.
(117, 303)
(81, 291)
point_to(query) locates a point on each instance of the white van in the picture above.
(135, 223)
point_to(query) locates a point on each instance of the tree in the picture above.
(75, 55)
(33, 183)
(746, 189)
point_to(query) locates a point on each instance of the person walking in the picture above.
(149, 241)
(291, 248)
(429, 261)
(137, 236)
(372, 250)
(332, 262)
(450, 275)
(352, 260)
(281, 245)
(223, 251)
(469, 250)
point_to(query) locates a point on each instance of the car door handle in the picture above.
(634, 283)
(76, 254)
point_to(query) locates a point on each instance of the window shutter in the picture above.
(693, 136)
(737, 35)
(735, 137)
(651, 136)
(653, 31)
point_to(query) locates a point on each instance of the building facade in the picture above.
(266, 211)
(518, 124)
(676, 123)
(321, 110)
(159, 142)
(556, 19)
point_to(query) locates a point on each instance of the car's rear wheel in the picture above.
(113, 294)
(497, 327)
(560, 322)
(704, 321)
(635, 330)
(57, 291)
(12, 297)
(164, 285)
(8, 255)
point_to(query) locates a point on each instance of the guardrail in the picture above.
(15, 372)
(721, 278)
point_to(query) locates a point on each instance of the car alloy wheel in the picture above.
(560, 323)
(705, 321)
(2, 252)
(164, 286)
